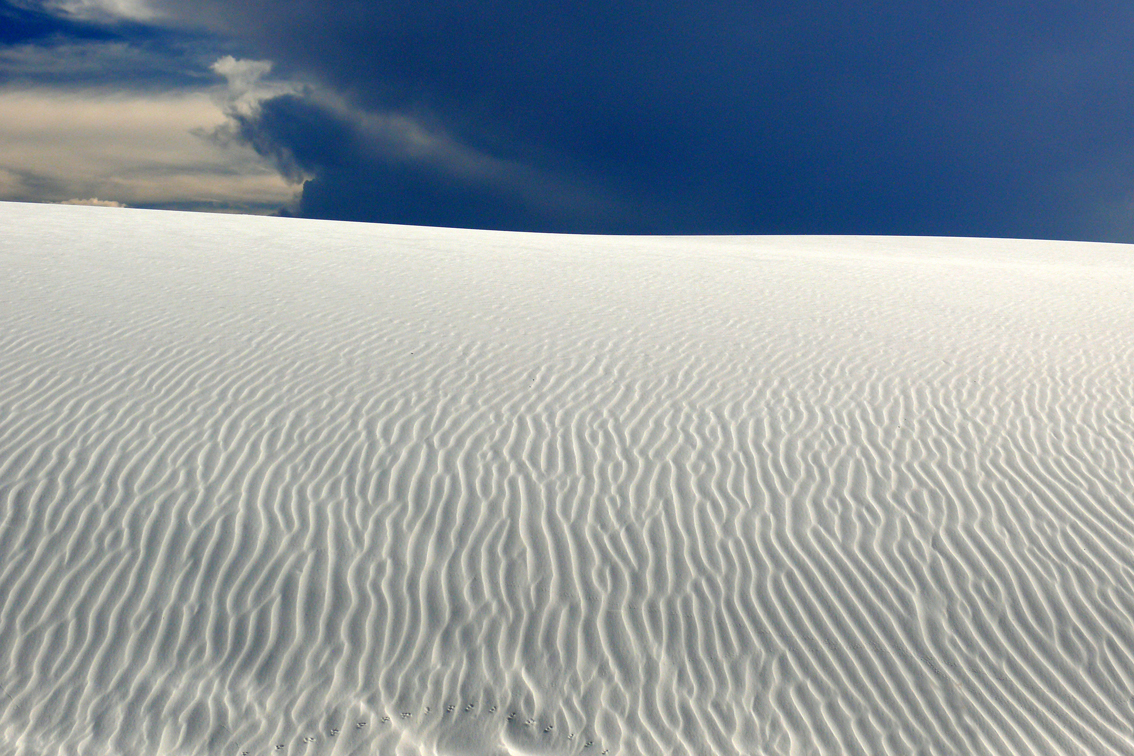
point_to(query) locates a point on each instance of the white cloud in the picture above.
(246, 84)
(242, 75)
(92, 202)
(131, 148)
(97, 10)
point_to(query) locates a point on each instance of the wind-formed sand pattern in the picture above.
(275, 486)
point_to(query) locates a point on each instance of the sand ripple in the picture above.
(276, 486)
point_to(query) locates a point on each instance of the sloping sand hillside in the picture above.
(292, 487)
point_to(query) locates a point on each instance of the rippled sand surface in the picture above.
(275, 486)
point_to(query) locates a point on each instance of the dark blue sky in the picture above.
(991, 119)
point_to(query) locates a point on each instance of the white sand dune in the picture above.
(281, 486)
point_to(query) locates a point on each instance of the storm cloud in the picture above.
(1009, 119)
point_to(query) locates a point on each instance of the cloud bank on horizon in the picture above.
(1009, 119)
